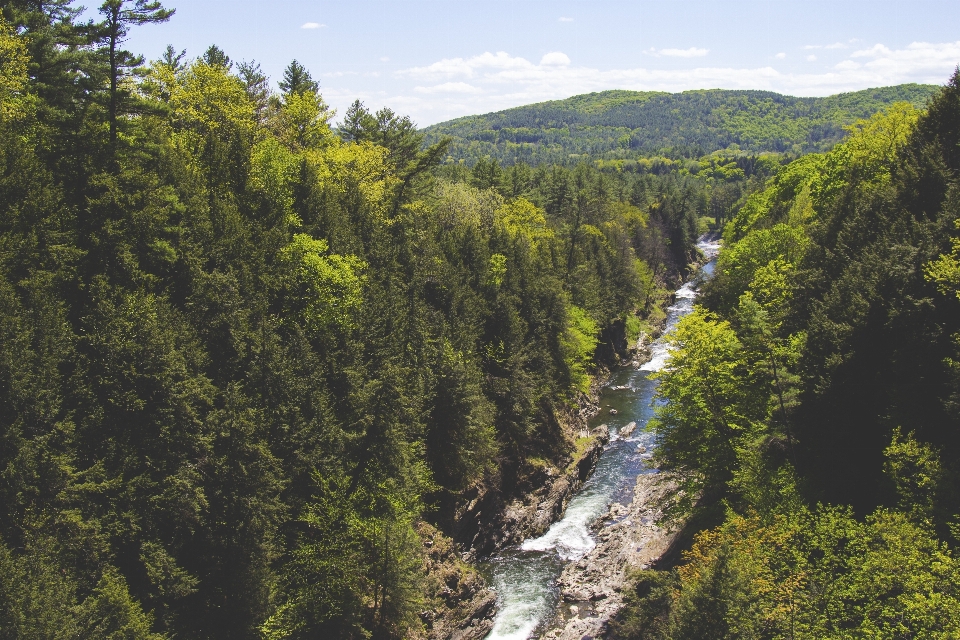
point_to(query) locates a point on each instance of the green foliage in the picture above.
(13, 77)
(622, 125)
(578, 343)
(297, 81)
(243, 356)
(332, 285)
(498, 269)
(832, 316)
(945, 270)
(522, 217)
(647, 606)
(713, 409)
(818, 574)
(915, 470)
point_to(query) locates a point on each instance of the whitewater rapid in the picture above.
(524, 577)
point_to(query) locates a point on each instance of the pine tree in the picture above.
(297, 80)
(119, 16)
(257, 83)
(216, 57)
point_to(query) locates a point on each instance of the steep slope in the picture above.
(624, 124)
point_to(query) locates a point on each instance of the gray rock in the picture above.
(601, 575)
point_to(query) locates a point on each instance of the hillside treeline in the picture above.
(682, 198)
(811, 421)
(242, 354)
(631, 125)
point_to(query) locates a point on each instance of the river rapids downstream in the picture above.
(525, 576)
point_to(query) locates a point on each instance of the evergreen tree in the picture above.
(297, 80)
(119, 17)
(215, 57)
(174, 60)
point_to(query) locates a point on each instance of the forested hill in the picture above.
(809, 411)
(250, 366)
(624, 124)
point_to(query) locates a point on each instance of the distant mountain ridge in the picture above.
(627, 124)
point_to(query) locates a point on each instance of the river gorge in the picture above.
(538, 590)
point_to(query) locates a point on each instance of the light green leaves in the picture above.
(945, 271)
(915, 470)
(498, 269)
(331, 285)
(273, 172)
(713, 405)
(301, 120)
(13, 70)
(207, 99)
(522, 218)
(578, 344)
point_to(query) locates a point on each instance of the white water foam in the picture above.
(569, 537)
(522, 580)
(684, 297)
(517, 620)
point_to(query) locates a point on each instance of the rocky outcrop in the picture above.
(496, 523)
(612, 345)
(460, 606)
(489, 517)
(627, 538)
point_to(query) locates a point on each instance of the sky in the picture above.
(434, 60)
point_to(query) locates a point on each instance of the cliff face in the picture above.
(500, 511)
(459, 604)
(541, 500)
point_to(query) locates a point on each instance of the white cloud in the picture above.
(848, 65)
(692, 52)
(780, 56)
(452, 67)
(835, 45)
(565, 19)
(455, 87)
(385, 59)
(811, 58)
(918, 59)
(554, 59)
(312, 25)
(449, 87)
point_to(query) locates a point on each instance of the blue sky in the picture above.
(438, 59)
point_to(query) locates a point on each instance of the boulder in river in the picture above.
(613, 412)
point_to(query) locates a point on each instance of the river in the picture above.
(524, 577)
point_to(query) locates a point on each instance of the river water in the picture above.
(524, 577)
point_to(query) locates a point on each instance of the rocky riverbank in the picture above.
(628, 538)
(489, 519)
(459, 604)
(523, 502)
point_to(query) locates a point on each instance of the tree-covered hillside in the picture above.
(810, 408)
(627, 124)
(245, 358)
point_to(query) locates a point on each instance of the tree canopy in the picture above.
(244, 357)
(809, 410)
